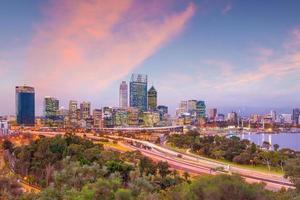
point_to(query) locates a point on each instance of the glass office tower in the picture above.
(25, 111)
(138, 91)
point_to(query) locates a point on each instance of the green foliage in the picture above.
(232, 149)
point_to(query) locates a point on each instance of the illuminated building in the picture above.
(133, 117)
(200, 109)
(138, 91)
(107, 115)
(120, 118)
(273, 115)
(51, 107)
(3, 127)
(97, 116)
(150, 119)
(85, 110)
(286, 118)
(183, 108)
(191, 106)
(72, 110)
(123, 95)
(25, 105)
(152, 99)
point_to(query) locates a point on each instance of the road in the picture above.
(193, 164)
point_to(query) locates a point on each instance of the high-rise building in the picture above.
(72, 109)
(191, 106)
(85, 110)
(273, 115)
(212, 113)
(295, 115)
(232, 117)
(152, 99)
(183, 108)
(163, 110)
(123, 95)
(201, 109)
(25, 105)
(138, 91)
(97, 116)
(133, 117)
(51, 107)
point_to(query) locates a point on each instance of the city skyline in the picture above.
(199, 50)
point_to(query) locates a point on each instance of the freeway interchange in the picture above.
(188, 162)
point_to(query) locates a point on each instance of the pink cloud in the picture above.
(83, 46)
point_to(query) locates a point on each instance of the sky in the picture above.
(231, 53)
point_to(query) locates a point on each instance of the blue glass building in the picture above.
(138, 91)
(201, 109)
(25, 104)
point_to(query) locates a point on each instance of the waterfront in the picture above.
(284, 140)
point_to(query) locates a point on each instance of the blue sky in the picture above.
(229, 53)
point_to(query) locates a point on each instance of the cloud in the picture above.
(227, 8)
(80, 47)
(271, 74)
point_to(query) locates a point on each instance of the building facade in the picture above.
(152, 99)
(85, 110)
(51, 108)
(201, 109)
(295, 116)
(25, 105)
(123, 95)
(138, 91)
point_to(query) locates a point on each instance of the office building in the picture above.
(212, 113)
(97, 117)
(232, 117)
(152, 99)
(295, 116)
(85, 110)
(201, 109)
(163, 110)
(138, 91)
(133, 117)
(191, 106)
(51, 108)
(25, 105)
(123, 95)
(286, 118)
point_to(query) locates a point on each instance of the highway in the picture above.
(192, 163)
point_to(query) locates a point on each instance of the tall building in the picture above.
(51, 107)
(123, 95)
(163, 110)
(85, 110)
(25, 105)
(212, 113)
(72, 109)
(273, 115)
(295, 115)
(191, 105)
(183, 108)
(97, 116)
(201, 109)
(152, 99)
(138, 91)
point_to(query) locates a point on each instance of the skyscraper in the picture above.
(212, 113)
(295, 115)
(51, 107)
(85, 110)
(138, 91)
(73, 112)
(191, 105)
(200, 109)
(152, 99)
(123, 95)
(25, 105)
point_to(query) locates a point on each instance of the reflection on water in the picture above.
(284, 140)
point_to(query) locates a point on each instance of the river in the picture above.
(284, 140)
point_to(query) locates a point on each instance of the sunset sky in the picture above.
(229, 53)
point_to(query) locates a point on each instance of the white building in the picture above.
(3, 127)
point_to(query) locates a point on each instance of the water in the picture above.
(284, 140)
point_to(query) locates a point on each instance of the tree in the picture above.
(147, 166)
(276, 147)
(292, 171)
(8, 145)
(163, 168)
